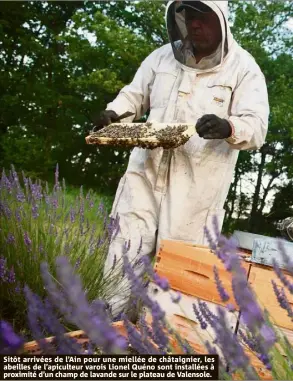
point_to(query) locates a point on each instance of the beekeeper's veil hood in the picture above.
(177, 32)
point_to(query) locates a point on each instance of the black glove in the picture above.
(211, 126)
(105, 118)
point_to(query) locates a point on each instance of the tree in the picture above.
(259, 27)
(32, 80)
(62, 62)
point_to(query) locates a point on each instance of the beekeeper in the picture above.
(203, 77)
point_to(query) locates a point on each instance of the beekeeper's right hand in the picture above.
(105, 118)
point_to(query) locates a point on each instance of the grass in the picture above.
(40, 222)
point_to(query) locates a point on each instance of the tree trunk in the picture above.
(255, 210)
(233, 195)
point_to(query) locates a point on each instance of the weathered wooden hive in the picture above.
(189, 269)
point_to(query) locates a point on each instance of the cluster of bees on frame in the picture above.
(140, 135)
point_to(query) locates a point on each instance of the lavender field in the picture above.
(53, 246)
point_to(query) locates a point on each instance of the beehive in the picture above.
(189, 269)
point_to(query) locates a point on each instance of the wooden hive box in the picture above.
(189, 269)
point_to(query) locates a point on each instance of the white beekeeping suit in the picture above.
(173, 194)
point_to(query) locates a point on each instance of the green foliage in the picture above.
(63, 62)
(38, 224)
(260, 27)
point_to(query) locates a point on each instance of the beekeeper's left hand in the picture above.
(211, 126)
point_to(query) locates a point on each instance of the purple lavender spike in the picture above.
(221, 290)
(282, 299)
(55, 202)
(199, 317)
(27, 241)
(11, 276)
(10, 342)
(136, 340)
(10, 239)
(209, 316)
(35, 211)
(101, 209)
(163, 283)
(282, 277)
(98, 328)
(77, 263)
(20, 196)
(3, 269)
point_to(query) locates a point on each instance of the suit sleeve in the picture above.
(249, 112)
(135, 97)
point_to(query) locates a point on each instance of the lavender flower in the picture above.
(137, 341)
(47, 200)
(210, 317)
(35, 210)
(221, 290)
(250, 342)
(199, 317)
(81, 212)
(44, 314)
(264, 358)
(163, 283)
(10, 239)
(251, 312)
(160, 336)
(72, 214)
(232, 350)
(11, 276)
(260, 344)
(211, 350)
(137, 286)
(20, 196)
(18, 214)
(282, 299)
(77, 263)
(268, 337)
(5, 183)
(5, 210)
(17, 288)
(73, 304)
(230, 307)
(282, 277)
(36, 191)
(55, 203)
(27, 241)
(3, 269)
(101, 209)
(10, 342)
(25, 181)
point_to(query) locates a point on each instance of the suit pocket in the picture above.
(219, 95)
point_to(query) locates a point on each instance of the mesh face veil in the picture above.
(189, 25)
